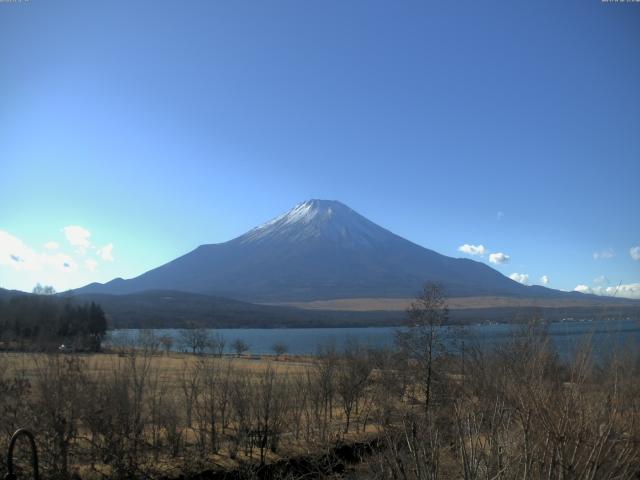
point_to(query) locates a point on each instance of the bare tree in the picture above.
(352, 373)
(240, 401)
(322, 384)
(59, 393)
(239, 346)
(299, 401)
(170, 422)
(195, 339)
(148, 341)
(217, 344)
(189, 384)
(211, 402)
(44, 290)
(423, 335)
(14, 411)
(279, 348)
(269, 406)
(156, 401)
(167, 342)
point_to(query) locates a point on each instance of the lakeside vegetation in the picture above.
(512, 412)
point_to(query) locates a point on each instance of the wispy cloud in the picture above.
(78, 237)
(601, 280)
(635, 253)
(603, 254)
(499, 258)
(52, 245)
(500, 216)
(91, 264)
(106, 253)
(522, 278)
(472, 249)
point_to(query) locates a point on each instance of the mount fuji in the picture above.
(321, 250)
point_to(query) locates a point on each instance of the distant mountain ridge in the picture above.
(321, 250)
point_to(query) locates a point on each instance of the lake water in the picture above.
(566, 336)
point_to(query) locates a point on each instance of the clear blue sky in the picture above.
(158, 126)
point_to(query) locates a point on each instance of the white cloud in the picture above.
(603, 254)
(16, 254)
(78, 237)
(499, 258)
(22, 266)
(635, 252)
(583, 289)
(472, 249)
(629, 290)
(106, 253)
(52, 245)
(544, 279)
(91, 264)
(522, 278)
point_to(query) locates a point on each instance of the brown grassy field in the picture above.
(459, 303)
(177, 380)
(171, 365)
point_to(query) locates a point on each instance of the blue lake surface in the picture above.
(567, 336)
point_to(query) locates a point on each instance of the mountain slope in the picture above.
(319, 250)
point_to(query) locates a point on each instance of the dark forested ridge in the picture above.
(173, 309)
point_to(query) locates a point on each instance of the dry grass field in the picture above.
(167, 404)
(171, 365)
(455, 303)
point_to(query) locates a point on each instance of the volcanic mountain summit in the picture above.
(326, 221)
(320, 250)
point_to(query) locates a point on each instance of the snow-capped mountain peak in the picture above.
(303, 212)
(327, 219)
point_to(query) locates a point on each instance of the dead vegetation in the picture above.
(514, 412)
(145, 413)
